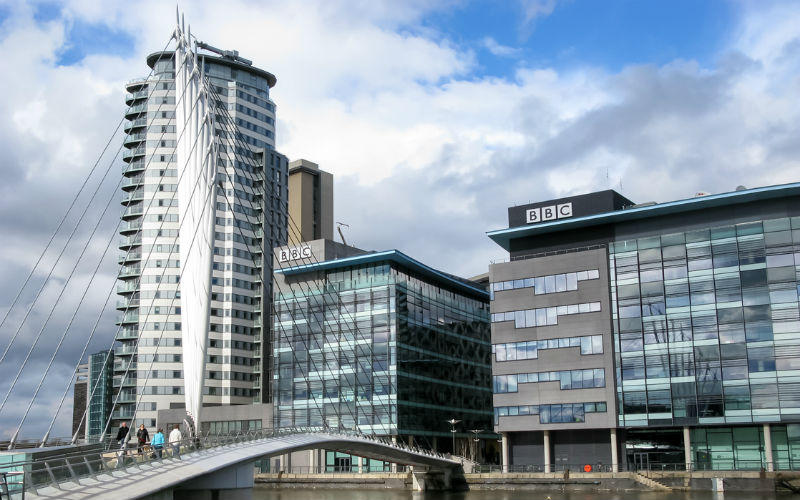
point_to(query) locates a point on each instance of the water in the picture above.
(260, 493)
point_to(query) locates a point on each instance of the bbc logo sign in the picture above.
(544, 214)
(294, 253)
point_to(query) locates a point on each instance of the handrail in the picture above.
(110, 455)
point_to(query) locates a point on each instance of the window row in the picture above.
(552, 414)
(553, 283)
(704, 235)
(590, 344)
(544, 316)
(591, 378)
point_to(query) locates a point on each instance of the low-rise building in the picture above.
(649, 335)
(381, 343)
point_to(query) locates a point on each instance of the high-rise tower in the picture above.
(310, 202)
(250, 219)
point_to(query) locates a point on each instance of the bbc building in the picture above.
(654, 335)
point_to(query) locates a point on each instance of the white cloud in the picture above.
(498, 49)
(536, 8)
(427, 153)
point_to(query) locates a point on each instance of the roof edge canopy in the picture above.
(390, 256)
(503, 237)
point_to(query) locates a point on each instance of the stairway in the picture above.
(650, 483)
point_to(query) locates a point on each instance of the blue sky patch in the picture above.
(46, 11)
(609, 34)
(85, 39)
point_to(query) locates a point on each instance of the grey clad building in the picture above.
(652, 335)
(379, 342)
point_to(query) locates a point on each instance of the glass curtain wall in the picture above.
(443, 360)
(379, 349)
(100, 381)
(335, 352)
(706, 326)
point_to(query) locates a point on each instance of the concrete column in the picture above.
(768, 448)
(614, 451)
(411, 445)
(394, 442)
(687, 448)
(504, 452)
(312, 461)
(360, 462)
(547, 451)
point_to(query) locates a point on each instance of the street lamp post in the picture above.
(453, 423)
(475, 439)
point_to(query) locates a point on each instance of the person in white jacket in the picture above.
(175, 441)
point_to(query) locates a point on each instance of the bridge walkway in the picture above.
(149, 478)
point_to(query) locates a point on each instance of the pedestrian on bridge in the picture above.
(122, 434)
(158, 443)
(143, 437)
(175, 440)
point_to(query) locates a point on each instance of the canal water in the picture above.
(359, 494)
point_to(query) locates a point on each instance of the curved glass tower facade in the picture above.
(251, 207)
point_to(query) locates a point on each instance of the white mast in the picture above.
(196, 205)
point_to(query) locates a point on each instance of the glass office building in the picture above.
(380, 343)
(703, 322)
(99, 390)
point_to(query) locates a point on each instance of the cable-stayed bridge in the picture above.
(222, 180)
(218, 463)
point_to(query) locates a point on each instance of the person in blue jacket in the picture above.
(157, 443)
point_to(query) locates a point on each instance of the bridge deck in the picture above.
(137, 481)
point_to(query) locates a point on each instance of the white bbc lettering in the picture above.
(551, 212)
(301, 252)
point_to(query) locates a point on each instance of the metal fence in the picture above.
(714, 465)
(108, 456)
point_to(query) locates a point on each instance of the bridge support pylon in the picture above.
(439, 479)
(235, 481)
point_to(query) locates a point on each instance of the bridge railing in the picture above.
(108, 455)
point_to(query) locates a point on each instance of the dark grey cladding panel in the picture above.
(709, 217)
(574, 448)
(704, 218)
(564, 240)
(585, 204)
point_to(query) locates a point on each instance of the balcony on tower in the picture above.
(130, 241)
(134, 124)
(131, 196)
(133, 153)
(132, 97)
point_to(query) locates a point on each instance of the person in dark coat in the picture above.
(142, 436)
(122, 434)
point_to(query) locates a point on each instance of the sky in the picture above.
(434, 118)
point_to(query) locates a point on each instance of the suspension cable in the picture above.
(110, 293)
(64, 218)
(237, 135)
(147, 259)
(38, 337)
(163, 329)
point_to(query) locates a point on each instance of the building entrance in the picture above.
(649, 449)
